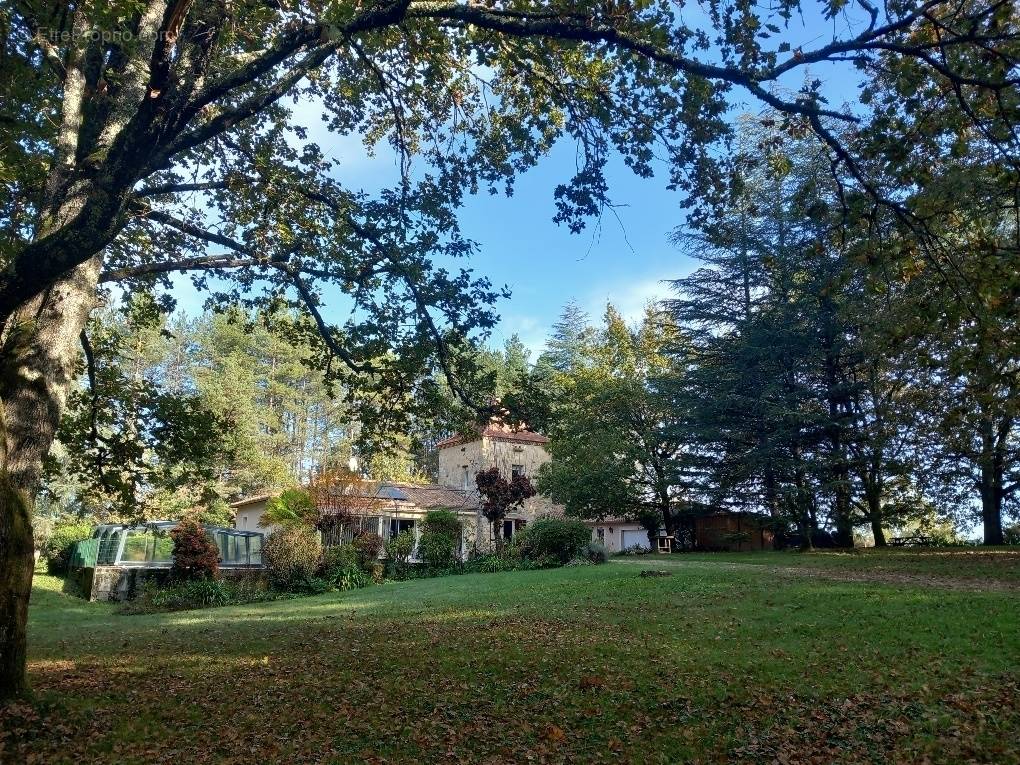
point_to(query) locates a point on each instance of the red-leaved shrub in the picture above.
(195, 554)
(369, 546)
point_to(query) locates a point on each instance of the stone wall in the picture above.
(122, 583)
(119, 582)
(458, 465)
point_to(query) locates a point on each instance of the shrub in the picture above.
(292, 557)
(197, 593)
(558, 538)
(437, 551)
(200, 593)
(506, 560)
(635, 550)
(496, 562)
(195, 554)
(316, 585)
(349, 579)
(578, 561)
(442, 522)
(341, 570)
(1011, 534)
(338, 558)
(368, 546)
(440, 538)
(595, 552)
(58, 546)
(400, 547)
(376, 571)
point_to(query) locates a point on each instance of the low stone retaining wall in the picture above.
(125, 582)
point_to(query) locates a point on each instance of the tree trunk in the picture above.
(991, 508)
(772, 503)
(837, 402)
(38, 363)
(873, 496)
(872, 480)
(497, 535)
(877, 532)
(991, 484)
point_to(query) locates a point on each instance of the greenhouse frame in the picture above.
(149, 546)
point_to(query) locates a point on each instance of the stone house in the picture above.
(388, 507)
(514, 452)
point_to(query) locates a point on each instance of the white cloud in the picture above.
(530, 329)
(629, 299)
(632, 297)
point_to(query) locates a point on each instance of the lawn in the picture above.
(730, 659)
(964, 565)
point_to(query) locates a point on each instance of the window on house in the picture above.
(601, 533)
(398, 525)
(369, 524)
(516, 470)
(466, 485)
(513, 526)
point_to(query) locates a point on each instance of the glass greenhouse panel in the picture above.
(152, 545)
(143, 546)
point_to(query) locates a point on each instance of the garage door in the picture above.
(639, 537)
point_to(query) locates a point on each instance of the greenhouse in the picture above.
(150, 546)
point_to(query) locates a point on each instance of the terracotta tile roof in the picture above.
(379, 495)
(432, 496)
(250, 500)
(424, 496)
(499, 433)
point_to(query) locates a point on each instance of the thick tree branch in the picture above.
(202, 263)
(311, 304)
(182, 188)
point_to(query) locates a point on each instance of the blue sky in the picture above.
(623, 259)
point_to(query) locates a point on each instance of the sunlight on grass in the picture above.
(712, 663)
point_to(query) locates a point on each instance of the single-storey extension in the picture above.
(719, 531)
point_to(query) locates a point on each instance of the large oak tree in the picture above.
(142, 139)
